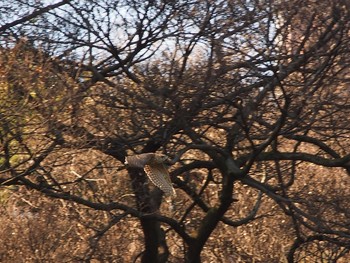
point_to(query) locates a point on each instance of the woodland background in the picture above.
(250, 98)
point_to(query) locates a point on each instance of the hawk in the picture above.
(154, 166)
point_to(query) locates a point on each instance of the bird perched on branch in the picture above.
(154, 165)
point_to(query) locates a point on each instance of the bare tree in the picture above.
(249, 98)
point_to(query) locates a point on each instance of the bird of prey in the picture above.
(154, 166)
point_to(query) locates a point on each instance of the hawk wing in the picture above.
(159, 176)
(139, 160)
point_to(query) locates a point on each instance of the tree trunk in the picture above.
(156, 250)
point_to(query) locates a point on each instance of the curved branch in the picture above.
(337, 162)
(250, 217)
(109, 207)
(316, 142)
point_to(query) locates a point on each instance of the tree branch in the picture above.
(33, 15)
